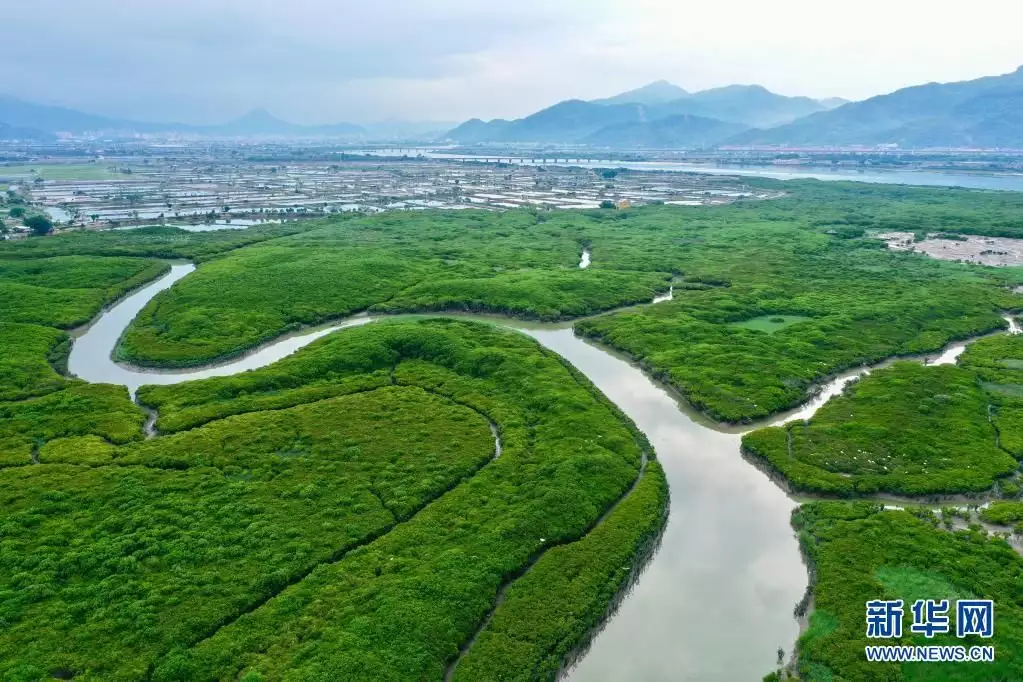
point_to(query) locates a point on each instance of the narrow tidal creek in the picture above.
(716, 601)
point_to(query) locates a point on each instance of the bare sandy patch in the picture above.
(996, 251)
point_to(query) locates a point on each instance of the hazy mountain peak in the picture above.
(658, 92)
(258, 115)
(736, 88)
(664, 86)
(743, 93)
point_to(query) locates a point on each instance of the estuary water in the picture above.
(716, 601)
(928, 178)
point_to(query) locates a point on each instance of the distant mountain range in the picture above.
(396, 129)
(9, 132)
(259, 122)
(986, 112)
(670, 132)
(679, 115)
(750, 105)
(16, 114)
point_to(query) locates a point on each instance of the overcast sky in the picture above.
(320, 61)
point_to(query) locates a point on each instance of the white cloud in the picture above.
(319, 61)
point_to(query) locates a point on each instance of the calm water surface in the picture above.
(1007, 182)
(716, 601)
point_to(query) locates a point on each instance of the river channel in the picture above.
(716, 601)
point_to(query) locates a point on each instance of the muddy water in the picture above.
(716, 601)
(91, 355)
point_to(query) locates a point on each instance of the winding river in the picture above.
(715, 603)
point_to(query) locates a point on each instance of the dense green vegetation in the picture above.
(50, 285)
(770, 323)
(202, 525)
(998, 362)
(39, 224)
(860, 552)
(341, 515)
(1003, 513)
(908, 429)
(67, 291)
(79, 410)
(349, 521)
(864, 304)
(545, 295)
(547, 613)
(147, 242)
(25, 360)
(739, 269)
(516, 262)
(39, 298)
(849, 208)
